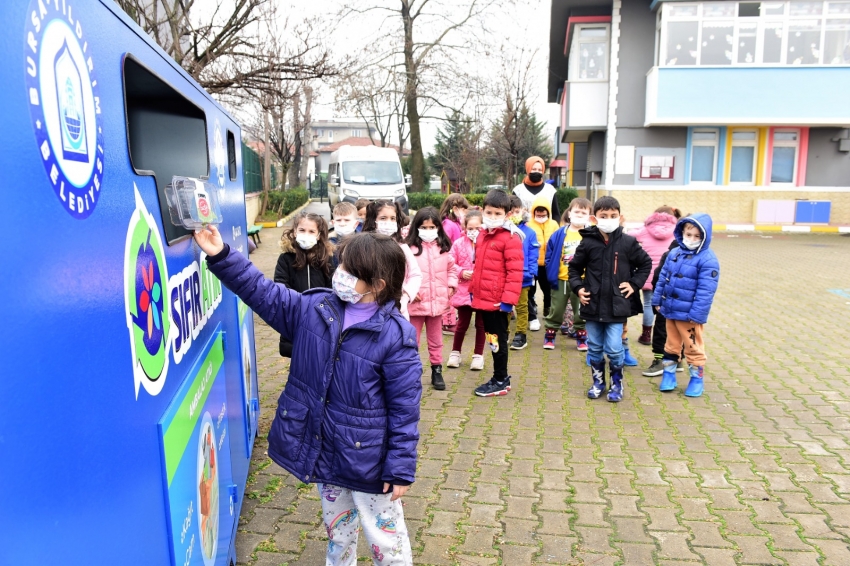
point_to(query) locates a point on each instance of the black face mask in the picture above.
(535, 177)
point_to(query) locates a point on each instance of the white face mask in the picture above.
(493, 223)
(579, 220)
(692, 244)
(541, 219)
(607, 225)
(472, 234)
(344, 284)
(427, 234)
(386, 227)
(345, 229)
(306, 241)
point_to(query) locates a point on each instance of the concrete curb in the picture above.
(775, 228)
(286, 218)
(766, 228)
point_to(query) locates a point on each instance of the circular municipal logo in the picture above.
(145, 290)
(64, 104)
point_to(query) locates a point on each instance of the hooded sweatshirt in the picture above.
(528, 191)
(689, 278)
(544, 231)
(655, 237)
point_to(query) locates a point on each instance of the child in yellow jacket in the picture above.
(544, 226)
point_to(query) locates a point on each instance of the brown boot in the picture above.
(646, 336)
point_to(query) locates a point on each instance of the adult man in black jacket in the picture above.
(606, 270)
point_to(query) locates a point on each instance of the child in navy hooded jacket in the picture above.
(684, 294)
(347, 419)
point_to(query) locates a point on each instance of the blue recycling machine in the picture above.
(128, 385)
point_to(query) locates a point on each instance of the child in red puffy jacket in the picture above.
(496, 284)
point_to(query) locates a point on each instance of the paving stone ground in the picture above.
(757, 471)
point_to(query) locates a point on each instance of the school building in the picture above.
(738, 109)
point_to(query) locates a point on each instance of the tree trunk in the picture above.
(267, 164)
(417, 161)
(307, 136)
(295, 169)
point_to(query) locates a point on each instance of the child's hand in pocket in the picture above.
(626, 289)
(584, 296)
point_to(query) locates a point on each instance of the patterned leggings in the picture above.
(345, 512)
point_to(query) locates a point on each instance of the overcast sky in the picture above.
(525, 27)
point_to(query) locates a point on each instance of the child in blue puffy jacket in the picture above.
(347, 419)
(684, 294)
(530, 254)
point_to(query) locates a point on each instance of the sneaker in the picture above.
(581, 340)
(437, 378)
(449, 330)
(494, 388)
(454, 360)
(477, 363)
(549, 340)
(493, 341)
(655, 369)
(682, 365)
(534, 325)
(519, 342)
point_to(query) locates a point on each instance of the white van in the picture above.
(370, 172)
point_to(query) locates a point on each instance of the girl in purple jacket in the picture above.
(347, 419)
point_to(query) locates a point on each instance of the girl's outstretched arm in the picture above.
(279, 306)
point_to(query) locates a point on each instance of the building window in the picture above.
(330, 136)
(784, 156)
(589, 53)
(319, 133)
(743, 163)
(657, 167)
(356, 133)
(704, 143)
(755, 33)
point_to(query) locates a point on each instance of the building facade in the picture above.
(737, 108)
(328, 132)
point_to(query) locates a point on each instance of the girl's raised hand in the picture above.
(209, 240)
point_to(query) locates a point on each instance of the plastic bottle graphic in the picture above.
(69, 94)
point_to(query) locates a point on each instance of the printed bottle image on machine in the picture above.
(69, 94)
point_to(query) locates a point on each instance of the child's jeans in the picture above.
(561, 295)
(648, 312)
(464, 316)
(522, 311)
(688, 334)
(607, 338)
(345, 512)
(434, 333)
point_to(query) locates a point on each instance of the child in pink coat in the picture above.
(463, 251)
(430, 246)
(387, 218)
(655, 237)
